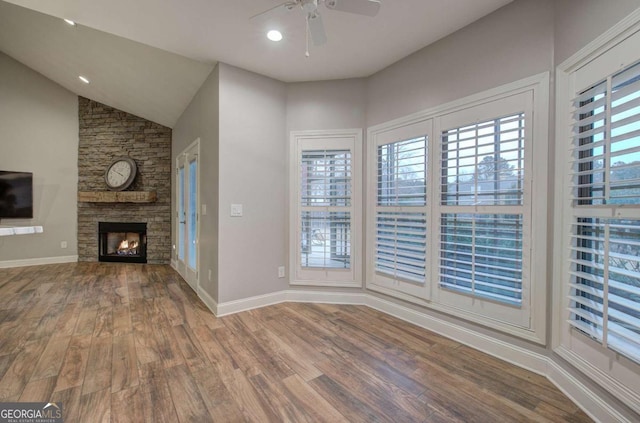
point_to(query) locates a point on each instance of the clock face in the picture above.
(120, 174)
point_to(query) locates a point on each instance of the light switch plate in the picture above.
(236, 210)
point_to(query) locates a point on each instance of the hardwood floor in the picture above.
(133, 343)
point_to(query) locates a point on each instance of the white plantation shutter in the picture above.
(484, 163)
(481, 251)
(604, 295)
(401, 245)
(605, 281)
(402, 173)
(325, 201)
(449, 223)
(401, 224)
(481, 255)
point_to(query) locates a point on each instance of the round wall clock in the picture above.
(120, 173)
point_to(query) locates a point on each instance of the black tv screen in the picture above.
(16, 194)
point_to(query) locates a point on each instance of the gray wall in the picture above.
(252, 173)
(512, 43)
(39, 134)
(338, 104)
(577, 22)
(201, 120)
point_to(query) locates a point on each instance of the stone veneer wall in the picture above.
(105, 134)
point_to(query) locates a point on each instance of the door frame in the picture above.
(192, 150)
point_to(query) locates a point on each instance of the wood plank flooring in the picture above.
(133, 343)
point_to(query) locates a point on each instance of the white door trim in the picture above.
(192, 276)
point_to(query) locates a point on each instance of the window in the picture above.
(481, 255)
(326, 208)
(597, 216)
(325, 177)
(399, 215)
(484, 213)
(401, 233)
(483, 165)
(450, 221)
(604, 294)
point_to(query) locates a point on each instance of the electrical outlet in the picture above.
(281, 272)
(63, 244)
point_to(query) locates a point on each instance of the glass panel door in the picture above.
(188, 201)
(192, 213)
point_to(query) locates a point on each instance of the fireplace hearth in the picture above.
(122, 242)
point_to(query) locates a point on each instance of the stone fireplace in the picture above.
(107, 133)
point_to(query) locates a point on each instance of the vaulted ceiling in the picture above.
(149, 58)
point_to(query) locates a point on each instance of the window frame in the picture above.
(513, 103)
(530, 324)
(378, 281)
(341, 139)
(605, 56)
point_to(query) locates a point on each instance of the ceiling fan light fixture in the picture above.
(314, 27)
(274, 35)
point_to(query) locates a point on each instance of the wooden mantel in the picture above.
(117, 196)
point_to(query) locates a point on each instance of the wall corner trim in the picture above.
(208, 300)
(595, 406)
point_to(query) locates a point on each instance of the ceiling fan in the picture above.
(315, 27)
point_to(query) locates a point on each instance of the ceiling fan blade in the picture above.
(316, 29)
(360, 7)
(278, 10)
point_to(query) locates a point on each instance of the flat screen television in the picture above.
(16, 195)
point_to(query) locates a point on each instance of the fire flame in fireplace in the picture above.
(127, 247)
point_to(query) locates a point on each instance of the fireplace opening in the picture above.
(122, 242)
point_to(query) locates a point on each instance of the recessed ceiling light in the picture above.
(274, 35)
(83, 79)
(70, 22)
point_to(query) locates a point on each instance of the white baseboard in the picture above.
(602, 378)
(37, 261)
(208, 301)
(299, 296)
(304, 296)
(232, 307)
(174, 264)
(513, 354)
(592, 404)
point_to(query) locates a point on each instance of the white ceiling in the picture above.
(145, 81)
(206, 31)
